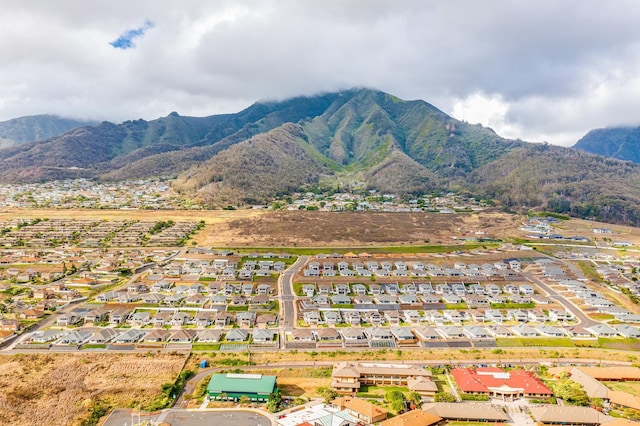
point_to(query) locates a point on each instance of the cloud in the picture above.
(125, 41)
(543, 70)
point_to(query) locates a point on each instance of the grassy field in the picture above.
(630, 387)
(619, 343)
(379, 391)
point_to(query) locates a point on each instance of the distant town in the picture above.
(153, 194)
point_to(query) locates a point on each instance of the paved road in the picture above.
(180, 417)
(287, 295)
(582, 318)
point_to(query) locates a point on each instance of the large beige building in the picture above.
(348, 377)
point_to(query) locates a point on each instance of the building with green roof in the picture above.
(256, 387)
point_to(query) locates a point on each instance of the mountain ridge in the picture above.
(361, 139)
(622, 143)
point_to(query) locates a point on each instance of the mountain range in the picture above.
(622, 143)
(36, 127)
(359, 139)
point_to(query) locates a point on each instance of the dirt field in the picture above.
(585, 228)
(63, 389)
(323, 229)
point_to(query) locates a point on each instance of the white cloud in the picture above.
(543, 70)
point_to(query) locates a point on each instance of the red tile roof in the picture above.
(482, 379)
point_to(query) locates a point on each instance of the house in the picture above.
(204, 318)
(499, 331)
(332, 317)
(157, 335)
(361, 409)
(557, 315)
(139, 319)
(223, 319)
(353, 336)
(379, 334)
(209, 336)
(66, 319)
(392, 317)
(547, 330)
(182, 336)
(161, 318)
(47, 335)
(327, 335)
(102, 336)
(426, 333)
(308, 289)
(627, 331)
(245, 319)
(130, 336)
(450, 332)
(524, 330)
(352, 317)
(264, 336)
(518, 315)
(179, 319)
(340, 299)
(475, 332)
(466, 411)
(494, 315)
(266, 319)
(311, 317)
(76, 337)
(302, 335)
(602, 330)
(237, 335)
(453, 316)
(403, 335)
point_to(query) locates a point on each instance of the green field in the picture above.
(206, 347)
(629, 387)
(619, 343)
(367, 391)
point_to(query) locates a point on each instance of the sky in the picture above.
(543, 70)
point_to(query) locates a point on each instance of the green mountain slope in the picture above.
(253, 171)
(563, 180)
(357, 138)
(622, 143)
(36, 127)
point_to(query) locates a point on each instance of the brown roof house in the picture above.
(361, 409)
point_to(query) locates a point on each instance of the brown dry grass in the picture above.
(315, 229)
(61, 389)
(524, 354)
(301, 386)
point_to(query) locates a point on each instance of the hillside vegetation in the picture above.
(622, 143)
(359, 139)
(35, 127)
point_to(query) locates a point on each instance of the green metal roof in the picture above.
(241, 383)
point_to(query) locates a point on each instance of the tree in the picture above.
(274, 402)
(327, 393)
(393, 395)
(415, 398)
(571, 392)
(444, 397)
